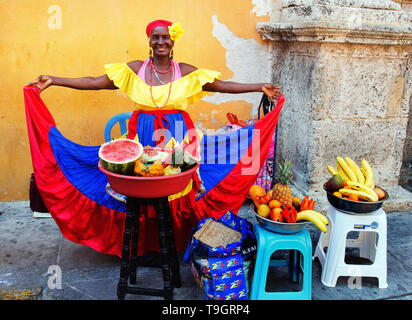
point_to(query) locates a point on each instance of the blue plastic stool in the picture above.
(269, 242)
(121, 118)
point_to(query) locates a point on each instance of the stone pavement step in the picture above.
(21, 294)
(33, 251)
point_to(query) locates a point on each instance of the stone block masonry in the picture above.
(345, 69)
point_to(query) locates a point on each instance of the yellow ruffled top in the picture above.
(186, 90)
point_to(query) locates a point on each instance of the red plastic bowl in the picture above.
(149, 187)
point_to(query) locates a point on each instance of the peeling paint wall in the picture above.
(76, 38)
(246, 58)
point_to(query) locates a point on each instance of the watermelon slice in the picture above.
(150, 155)
(184, 155)
(119, 156)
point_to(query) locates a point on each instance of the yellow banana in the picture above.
(332, 170)
(361, 195)
(364, 173)
(361, 187)
(341, 172)
(369, 179)
(369, 183)
(312, 216)
(123, 136)
(351, 175)
(320, 215)
(356, 170)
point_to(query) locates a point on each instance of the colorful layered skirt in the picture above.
(74, 189)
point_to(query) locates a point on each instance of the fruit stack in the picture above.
(129, 157)
(351, 182)
(173, 159)
(280, 206)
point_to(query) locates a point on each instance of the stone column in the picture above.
(345, 70)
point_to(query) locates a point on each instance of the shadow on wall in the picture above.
(405, 178)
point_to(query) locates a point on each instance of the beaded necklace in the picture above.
(160, 80)
(163, 72)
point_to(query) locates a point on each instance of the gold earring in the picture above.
(171, 55)
(150, 53)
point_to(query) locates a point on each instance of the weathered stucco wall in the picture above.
(76, 38)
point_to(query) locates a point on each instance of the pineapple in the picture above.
(281, 190)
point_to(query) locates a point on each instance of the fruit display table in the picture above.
(137, 191)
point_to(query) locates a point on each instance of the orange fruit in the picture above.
(255, 193)
(338, 194)
(379, 192)
(353, 197)
(274, 204)
(263, 210)
(256, 190)
(265, 199)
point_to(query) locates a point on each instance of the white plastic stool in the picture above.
(340, 224)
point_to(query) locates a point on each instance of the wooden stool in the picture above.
(170, 263)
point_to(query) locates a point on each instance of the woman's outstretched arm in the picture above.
(84, 83)
(269, 89)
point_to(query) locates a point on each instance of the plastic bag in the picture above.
(223, 273)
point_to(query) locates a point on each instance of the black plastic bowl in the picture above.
(354, 207)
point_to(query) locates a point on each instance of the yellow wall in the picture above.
(93, 33)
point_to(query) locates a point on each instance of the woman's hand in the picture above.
(42, 82)
(271, 91)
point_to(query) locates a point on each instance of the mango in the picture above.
(334, 184)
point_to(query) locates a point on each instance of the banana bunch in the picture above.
(317, 218)
(359, 180)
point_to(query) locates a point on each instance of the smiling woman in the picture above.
(162, 90)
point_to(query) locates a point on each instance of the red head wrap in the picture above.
(155, 24)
